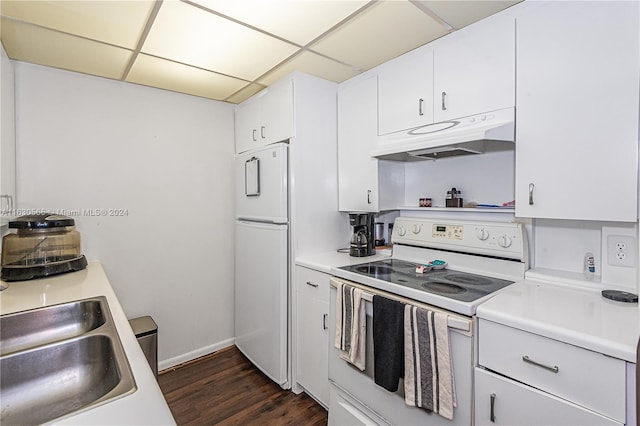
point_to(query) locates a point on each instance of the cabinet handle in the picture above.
(324, 321)
(531, 186)
(262, 132)
(312, 284)
(444, 101)
(368, 196)
(254, 135)
(492, 415)
(420, 102)
(554, 369)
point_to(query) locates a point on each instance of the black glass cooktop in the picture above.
(449, 283)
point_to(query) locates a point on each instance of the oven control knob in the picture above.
(416, 229)
(504, 241)
(401, 231)
(482, 234)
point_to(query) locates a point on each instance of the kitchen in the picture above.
(164, 157)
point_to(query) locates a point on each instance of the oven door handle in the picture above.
(454, 322)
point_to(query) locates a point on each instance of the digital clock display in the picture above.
(449, 232)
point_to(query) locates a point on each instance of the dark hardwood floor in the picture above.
(225, 388)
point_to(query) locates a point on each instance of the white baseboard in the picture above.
(171, 362)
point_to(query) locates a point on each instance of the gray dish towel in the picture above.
(388, 342)
(351, 325)
(428, 370)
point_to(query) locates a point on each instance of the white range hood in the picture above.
(491, 131)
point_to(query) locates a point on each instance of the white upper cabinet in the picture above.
(357, 171)
(365, 184)
(474, 70)
(405, 92)
(577, 111)
(7, 140)
(465, 73)
(265, 118)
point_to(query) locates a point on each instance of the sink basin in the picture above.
(60, 360)
(50, 324)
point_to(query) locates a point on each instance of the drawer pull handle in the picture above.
(312, 284)
(492, 416)
(555, 368)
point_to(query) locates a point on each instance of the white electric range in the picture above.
(482, 258)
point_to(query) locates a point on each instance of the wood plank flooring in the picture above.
(224, 388)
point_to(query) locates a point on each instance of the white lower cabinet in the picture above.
(501, 401)
(312, 290)
(542, 381)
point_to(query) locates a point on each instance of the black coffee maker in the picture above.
(362, 240)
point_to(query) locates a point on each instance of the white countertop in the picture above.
(146, 406)
(574, 314)
(325, 262)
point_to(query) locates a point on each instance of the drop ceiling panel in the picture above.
(190, 35)
(311, 63)
(461, 13)
(245, 93)
(115, 22)
(28, 43)
(164, 74)
(299, 21)
(382, 32)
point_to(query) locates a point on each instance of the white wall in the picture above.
(85, 142)
(485, 179)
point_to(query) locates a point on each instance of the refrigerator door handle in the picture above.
(252, 177)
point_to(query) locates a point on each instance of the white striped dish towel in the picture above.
(351, 322)
(428, 370)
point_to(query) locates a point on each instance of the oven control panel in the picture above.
(451, 232)
(502, 239)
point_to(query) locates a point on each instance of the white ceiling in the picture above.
(226, 50)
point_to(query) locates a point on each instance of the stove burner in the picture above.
(374, 270)
(443, 288)
(467, 279)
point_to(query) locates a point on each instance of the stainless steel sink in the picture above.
(60, 360)
(50, 324)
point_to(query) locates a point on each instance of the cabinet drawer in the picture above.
(587, 378)
(500, 401)
(311, 283)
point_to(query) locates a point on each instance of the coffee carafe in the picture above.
(362, 238)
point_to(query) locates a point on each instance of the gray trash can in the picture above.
(146, 332)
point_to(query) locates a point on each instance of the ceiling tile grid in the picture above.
(226, 50)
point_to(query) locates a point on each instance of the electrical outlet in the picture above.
(621, 250)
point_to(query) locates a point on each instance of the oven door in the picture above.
(390, 406)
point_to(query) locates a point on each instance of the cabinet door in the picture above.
(577, 111)
(312, 333)
(247, 125)
(405, 92)
(276, 113)
(500, 401)
(357, 132)
(474, 70)
(7, 141)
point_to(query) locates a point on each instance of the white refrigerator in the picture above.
(262, 253)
